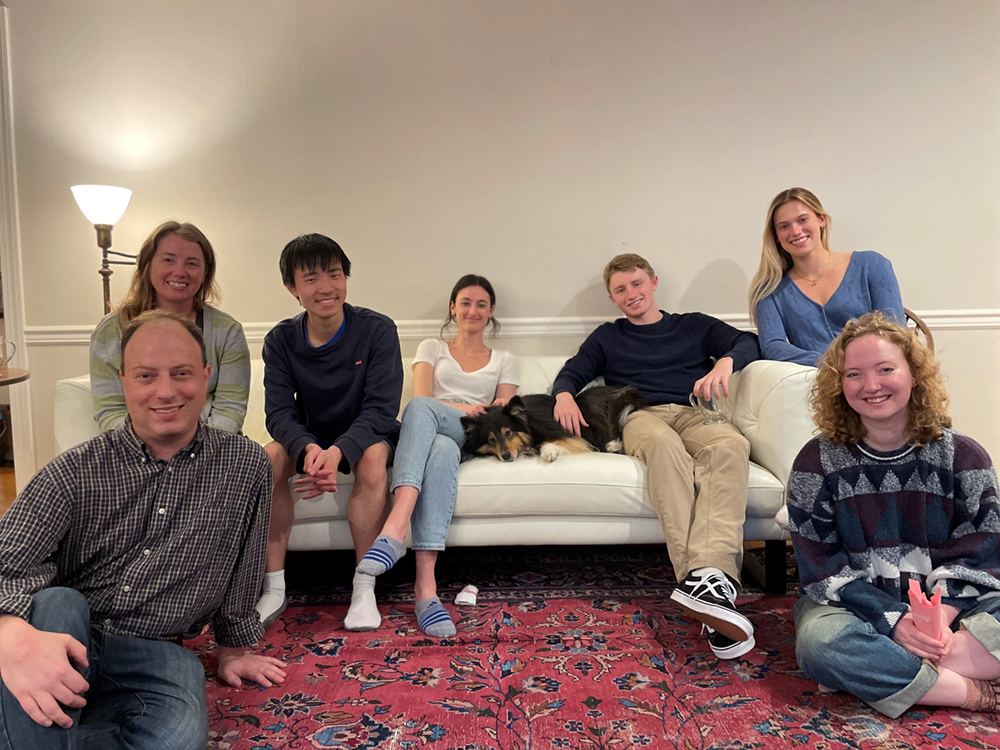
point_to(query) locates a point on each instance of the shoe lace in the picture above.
(717, 586)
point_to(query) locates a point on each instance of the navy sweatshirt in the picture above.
(663, 360)
(345, 395)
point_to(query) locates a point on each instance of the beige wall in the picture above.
(525, 140)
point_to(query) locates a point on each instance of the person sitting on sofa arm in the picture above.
(803, 293)
(450, 379)
(333, 379)
(667, 356)
(150, 531)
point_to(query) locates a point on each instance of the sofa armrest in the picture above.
(74, 413)
(771, 409)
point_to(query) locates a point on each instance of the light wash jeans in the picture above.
(844, 652)
(144, 694)
(427, 458)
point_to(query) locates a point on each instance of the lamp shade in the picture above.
(102, 204)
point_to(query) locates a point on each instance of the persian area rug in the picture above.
(567, 648)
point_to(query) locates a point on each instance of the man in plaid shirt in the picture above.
(123, 546)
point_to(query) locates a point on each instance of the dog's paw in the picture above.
(615, 446)
(550, 452)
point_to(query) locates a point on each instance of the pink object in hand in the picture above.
(928, 615)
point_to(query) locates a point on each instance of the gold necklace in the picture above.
(812, 282)
(468, 352)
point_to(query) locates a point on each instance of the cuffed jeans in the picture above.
(698, 475)
(843, 652)
(427, 458)
(144, 694)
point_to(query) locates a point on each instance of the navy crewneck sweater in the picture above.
(345, 394)
(663, 359)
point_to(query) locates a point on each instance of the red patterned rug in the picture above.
(590, 655)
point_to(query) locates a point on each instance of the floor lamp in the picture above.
(103, 206)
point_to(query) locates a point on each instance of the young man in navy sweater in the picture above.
(333, 378)
(697, 474)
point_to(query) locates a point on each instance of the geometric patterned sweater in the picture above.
(864, 522)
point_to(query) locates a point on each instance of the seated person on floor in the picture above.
(124, 545)
(889, 494)
(450, 379)
(175, 271)
(697, 473)
(333, 378)
(803, 293)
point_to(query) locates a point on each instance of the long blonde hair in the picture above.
(928, 407)
(141, 296)
(774, 261)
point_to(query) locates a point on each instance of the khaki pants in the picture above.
(697, 476)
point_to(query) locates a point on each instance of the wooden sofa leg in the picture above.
(775, 567)
(772, 575)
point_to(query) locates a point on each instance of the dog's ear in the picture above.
(515, 406)
(469, 424)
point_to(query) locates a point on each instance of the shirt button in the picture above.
(161, 511)
(145, 552)
(126, 588)
(144, 460)
(192, 455)
(107, 621)
(170, 468)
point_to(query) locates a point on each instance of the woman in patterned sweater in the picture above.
(175, 271)
(889, 493)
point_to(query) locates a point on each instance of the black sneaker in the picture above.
(710, 597)
(727, 648)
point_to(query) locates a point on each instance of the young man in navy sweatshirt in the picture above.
(333, 378)
(697, 474)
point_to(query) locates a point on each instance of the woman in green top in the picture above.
(175, 271)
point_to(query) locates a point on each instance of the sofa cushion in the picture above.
(599, 484)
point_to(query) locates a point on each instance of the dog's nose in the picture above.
(506, 456)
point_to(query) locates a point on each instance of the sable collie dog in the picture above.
(526, 427)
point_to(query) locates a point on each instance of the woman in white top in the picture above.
(451, 379)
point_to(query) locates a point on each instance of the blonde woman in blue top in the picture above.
(803, 293)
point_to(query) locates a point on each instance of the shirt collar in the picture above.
(133, 444)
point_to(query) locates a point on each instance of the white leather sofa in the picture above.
(589, 499)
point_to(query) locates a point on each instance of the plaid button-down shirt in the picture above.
(158, 548)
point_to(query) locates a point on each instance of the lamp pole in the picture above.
(104, 242)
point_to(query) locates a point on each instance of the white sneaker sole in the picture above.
(731, 624)
(736, 650)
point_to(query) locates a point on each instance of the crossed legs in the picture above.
(424, 487)
(842, 652)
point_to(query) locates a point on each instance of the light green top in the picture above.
(228, 383)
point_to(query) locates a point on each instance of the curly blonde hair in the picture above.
(928, 407)
(775, 261)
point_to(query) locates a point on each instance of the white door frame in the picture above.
(10, 263)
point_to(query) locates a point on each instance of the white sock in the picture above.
(363, 613)
(272, 594)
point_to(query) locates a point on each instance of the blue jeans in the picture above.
(427, 458)
(844, 652)
(144, 694)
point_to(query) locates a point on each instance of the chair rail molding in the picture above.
(513, 328)
(22, 432)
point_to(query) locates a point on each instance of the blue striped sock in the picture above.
(385, 553)
(434, 619)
